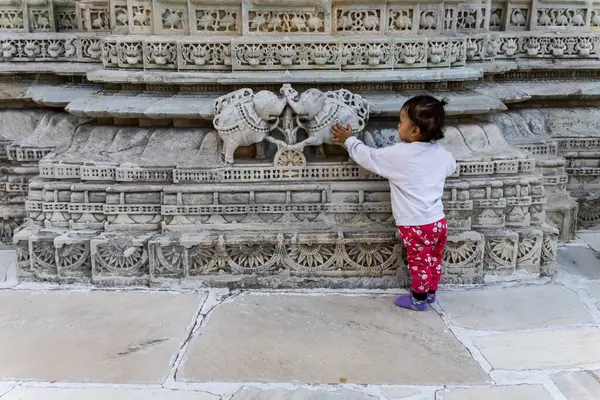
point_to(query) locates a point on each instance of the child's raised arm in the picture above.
(371, 159)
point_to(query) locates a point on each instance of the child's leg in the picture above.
(440, 232)
(418, 254)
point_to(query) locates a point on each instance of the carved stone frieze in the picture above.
(529, 250)
(174, 34)
(244, 118)
(332, 53)
(51, 47)
(549, 249)
(464, 258)
(330, 17)
(501, 252)
(119, 259)
(146, 190)
(108, 259)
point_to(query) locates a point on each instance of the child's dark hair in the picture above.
(428, 114)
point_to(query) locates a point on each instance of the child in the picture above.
(417, 168)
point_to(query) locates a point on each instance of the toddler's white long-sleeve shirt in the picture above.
(417, 172)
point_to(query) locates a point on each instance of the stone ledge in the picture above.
(518, 92)
(212, 258)
(90, 100)
(60, 95)
(274, 77)
(109, 104)
(58, 68)
(525, 65)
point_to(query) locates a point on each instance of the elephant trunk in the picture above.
(294, 104)
(283, 102)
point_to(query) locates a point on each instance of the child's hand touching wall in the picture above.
(339, 133)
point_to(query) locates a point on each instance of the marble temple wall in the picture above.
(162, 142)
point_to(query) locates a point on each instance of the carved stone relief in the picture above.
(382, 36)
(197, 214)
(494, 204)
(243, 118)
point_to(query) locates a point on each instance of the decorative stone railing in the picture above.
(339, 53)
(69, 47)
(226, 54)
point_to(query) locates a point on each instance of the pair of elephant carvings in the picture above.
(245, 118)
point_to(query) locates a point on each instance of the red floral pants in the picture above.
(424, 253)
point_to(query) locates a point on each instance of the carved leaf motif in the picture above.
(370, 255)
(460, 252)
(290, 158)
(252, 257)
(74, 256)
(589, 212)
(121, 256)
(43, 256)
(7, 228)
(502, 249)
(310, 257)
(529, 248)
(170, 258)
(549, 248)
(204, 260)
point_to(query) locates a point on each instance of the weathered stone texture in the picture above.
(521, 392)
(257, 394)
(195, 146)
(105, 393)
(41, 327)
(582, 385)
(322, 339)
(573, 347)
(547, 305)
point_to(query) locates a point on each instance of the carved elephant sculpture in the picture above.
(243, 118)
(318, 111)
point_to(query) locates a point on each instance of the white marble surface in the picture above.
(92, 336)
(578, 385)
(75, 338)
(592, 239)
(326, 339)
(561, 348)
(25, 393)
(516, 308)
(521, 392)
